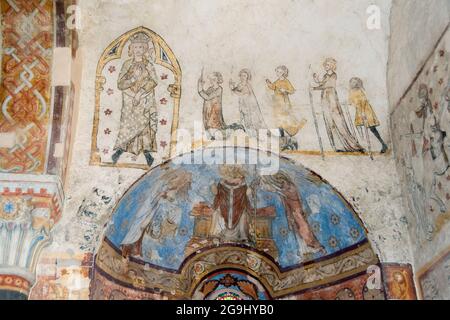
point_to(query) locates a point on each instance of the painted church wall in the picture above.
(407, 20)
(420, 132)
(209, 37)
(418, 84)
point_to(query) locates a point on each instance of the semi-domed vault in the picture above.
(229, 231)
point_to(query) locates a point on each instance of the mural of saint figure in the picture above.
(282, 185)
(286, 122)
(212, 106)
(161, 218)
(339, 134)
(250, 113)
(231, 205)
(365, 117)
(137, 81)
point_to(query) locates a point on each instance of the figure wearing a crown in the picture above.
(137, 81)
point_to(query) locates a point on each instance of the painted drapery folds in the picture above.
(25, 87)
(138, 88)
(153, 215)
(180, 222)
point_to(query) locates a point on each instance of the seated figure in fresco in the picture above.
(250, 113)
(138, 122)
(161, 218)
(282, 185)
(286, 122)
(231, 207)
(365, 117)
(339, 134)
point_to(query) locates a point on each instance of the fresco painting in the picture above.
(178, 209)
(421, 120)
(178, 213)
(434, 279)
(167, 165)
(138, 87)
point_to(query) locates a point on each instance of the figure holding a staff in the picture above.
(365, 117)
(339, 133)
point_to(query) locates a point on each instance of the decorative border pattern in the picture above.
(429, 267)
(14, 283)
(181, 284)
(399, 281)
(25, 89)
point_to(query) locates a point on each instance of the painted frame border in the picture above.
(114, 51)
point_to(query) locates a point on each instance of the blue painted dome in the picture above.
(179, 208)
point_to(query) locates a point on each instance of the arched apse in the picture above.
(290, 230)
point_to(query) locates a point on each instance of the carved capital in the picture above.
(30, 205)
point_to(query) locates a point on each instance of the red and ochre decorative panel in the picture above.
(399, 281)
(25, 89)
(14, 283)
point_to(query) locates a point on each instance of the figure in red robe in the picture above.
(281, 184)
(232, 209)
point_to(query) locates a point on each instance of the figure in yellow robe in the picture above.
(364, 116)
(285, 121)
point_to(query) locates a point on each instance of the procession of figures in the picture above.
(142, 84)
(339, 127)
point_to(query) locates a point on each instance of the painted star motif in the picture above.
(110, 91)
(163, 144)
(111, 69)
(163, 101)
(163, 122)
(105, 151)
(108, 112)
(8, 207)
(164, 76)
(107, 131)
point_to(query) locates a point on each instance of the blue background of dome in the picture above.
(335, 224)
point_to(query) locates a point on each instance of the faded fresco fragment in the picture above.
(421, 122)
(434, 280)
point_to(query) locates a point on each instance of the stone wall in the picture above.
(212, 36)
(191, 42)
(418, 81)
